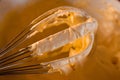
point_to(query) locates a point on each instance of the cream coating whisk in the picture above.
(71, 33)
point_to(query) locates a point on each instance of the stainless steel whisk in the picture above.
(22, 61)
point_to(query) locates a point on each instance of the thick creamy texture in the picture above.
(102, 64)
(80, 25)
(71, 49)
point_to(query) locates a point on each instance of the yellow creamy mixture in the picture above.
(68, 50)
(103, 64)
(57, 24)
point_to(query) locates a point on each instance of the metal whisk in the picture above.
(23, 61)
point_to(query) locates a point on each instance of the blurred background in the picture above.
(15, 15)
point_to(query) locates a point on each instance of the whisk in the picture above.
(77, 26)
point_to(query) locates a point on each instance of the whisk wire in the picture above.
(17, 59)
(37, 68)
(16, 41)
(21, 62)
(12, 55)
